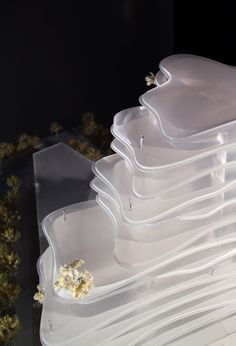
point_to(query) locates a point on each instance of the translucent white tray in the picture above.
(150, 184)
(160, 240)
(178, 313)
(135, 245)
(116, 171)
(195, 101)
(93, 239)
(156, 153)
(138, 211)
(210, 210)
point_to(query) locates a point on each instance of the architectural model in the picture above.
(159, 241)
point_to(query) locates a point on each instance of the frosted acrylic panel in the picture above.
(62, 177)
(199, 94)
(181, 303)
(155, 153)
(160, 238)
(149, 184)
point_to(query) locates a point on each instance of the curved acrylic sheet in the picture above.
(199, 95)
(137, 245)
(139, 211)
(84, 234)
(155, 153)
(161, 243)
(62, 178)
(89, 238)
(208, 314)
(69, 327)
(228, 340)
(148, 184)
(154, 184)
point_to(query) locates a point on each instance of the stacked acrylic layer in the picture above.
(160, 239)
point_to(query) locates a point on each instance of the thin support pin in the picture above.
(130, 204)
(64, 215)
(141, 141)
(50, 326)
(212, 271)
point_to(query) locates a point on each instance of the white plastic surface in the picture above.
(157, 153)
(186, 258)
(160, 239)
(163, 302)
(199, 95)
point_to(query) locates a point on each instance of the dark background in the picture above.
(60, 59)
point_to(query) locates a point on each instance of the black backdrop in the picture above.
(60, 59)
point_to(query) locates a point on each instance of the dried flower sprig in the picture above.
(85, 149)
(89, 124)
(23, 143)
(78, 282)
(9, 327)
(97, 134)
(9, 259)
(5, 213)
(9, 235)
(13, 193)
(9, 291)
(13, 181)
(26, 141)
(150, 79)
(6, 150)
(55, 127)
(8, 216)
(40, 295)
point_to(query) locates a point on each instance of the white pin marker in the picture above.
(141, 141)
(212, 271)
(64, 215)
(50, 326)
(130, 204)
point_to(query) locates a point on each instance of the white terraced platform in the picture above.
(160, 238)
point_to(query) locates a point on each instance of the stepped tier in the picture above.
(160, 239)
(196, 101)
